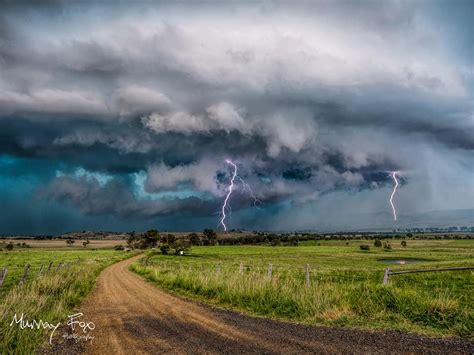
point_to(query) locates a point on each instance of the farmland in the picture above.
(345, 286)
(48, 296)
(61, 243)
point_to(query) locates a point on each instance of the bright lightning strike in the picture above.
(227, 197)
(393, 174)
(226, 205)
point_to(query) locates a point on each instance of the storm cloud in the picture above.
(134, 108)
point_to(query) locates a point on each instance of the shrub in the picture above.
(378, 243)
(181, 247)
(165, 249)
(364, 247)
(387, 246)
(119, 247)
(70, 242)
(404, 243)
(9, 246)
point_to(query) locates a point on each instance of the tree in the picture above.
(150, 239)
(210, 236)
(194, 239)
(70, 242)
(170, 238)
(378, 243)
(404, 243)
(86, 243)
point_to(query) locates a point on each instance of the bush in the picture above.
(9, 246)
(364, 247)
(378, 243)
(181, 247)
(119, 247)
(404, 243)
(387, 246)
(165, 249)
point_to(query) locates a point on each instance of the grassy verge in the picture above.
(345, 287)
(50, 297)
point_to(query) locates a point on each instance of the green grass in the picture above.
(50, 297)
(346, 284)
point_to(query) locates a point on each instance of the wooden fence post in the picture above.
(50, 266)
(307, 279)
(40, 270)
(386, 276)
(2, 277)
(270, 270)
(241, 268)
(25, 274)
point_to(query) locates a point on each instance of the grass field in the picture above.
(61, 243)
(50, 297)
(346, 283)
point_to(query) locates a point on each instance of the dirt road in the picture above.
(134, 317)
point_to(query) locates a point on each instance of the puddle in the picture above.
(401, 261)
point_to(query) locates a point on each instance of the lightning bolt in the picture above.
(393, 174)
(227, 197)
(247, 187)
(226, 205)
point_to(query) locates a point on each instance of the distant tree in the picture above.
(194, 239)
(150, 239)
(378, 243)
(404, 243)
(170, 238)
(70, 242)
(86, 243)
(210, 236)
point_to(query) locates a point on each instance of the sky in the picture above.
(120, 115)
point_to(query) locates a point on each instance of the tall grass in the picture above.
(50, 298)
(331, 299)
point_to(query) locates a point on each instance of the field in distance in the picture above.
(345, 284)
(61, 243)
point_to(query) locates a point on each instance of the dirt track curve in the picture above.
(134, 317)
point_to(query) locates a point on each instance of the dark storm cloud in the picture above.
(305, 105)
(116, 198)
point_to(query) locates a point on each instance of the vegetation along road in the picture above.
(130, 313)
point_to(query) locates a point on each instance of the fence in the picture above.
(269, 271)
(388, 272)
(310, 276)
(28, 272)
